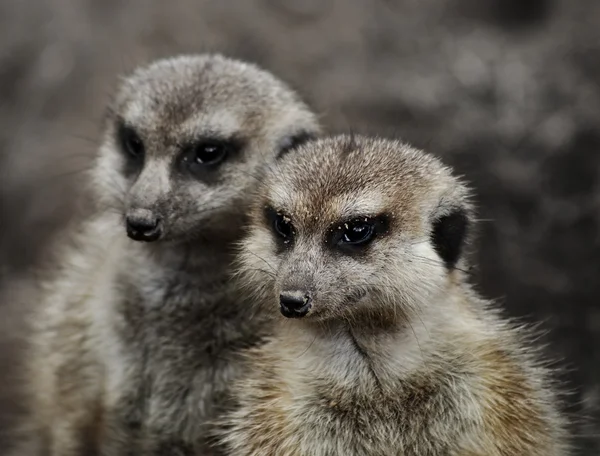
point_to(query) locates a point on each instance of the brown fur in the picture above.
(397, 355)
(135, 343)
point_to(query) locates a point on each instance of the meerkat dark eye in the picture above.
(353, 236)
(202, 157)
(130, 142)
(209, 153)
(283, 227)
(357, 233)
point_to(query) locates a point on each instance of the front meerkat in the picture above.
(385, 349)
(137, 338)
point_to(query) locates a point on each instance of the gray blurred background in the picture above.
(507, 91)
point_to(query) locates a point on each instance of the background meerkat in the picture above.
(386, 349)
(135, 342)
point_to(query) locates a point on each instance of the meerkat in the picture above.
(383, 348)
(136, 338)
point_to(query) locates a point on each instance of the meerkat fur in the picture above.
(136, 338)
(386, 348)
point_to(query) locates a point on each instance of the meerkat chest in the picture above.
(178, 339)
(378, 423)
(330, 407)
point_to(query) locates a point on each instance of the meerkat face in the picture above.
(347, 226)
(186, 140)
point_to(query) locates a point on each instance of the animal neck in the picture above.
(208, 249)
(208, 252)
(366, 358)
(377, 353)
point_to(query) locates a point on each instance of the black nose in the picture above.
(143, 225)
(294, 304)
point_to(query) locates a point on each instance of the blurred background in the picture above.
(507, 91)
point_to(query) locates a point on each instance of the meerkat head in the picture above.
(351, 225)
(186, 139)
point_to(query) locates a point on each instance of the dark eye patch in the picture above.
(292, 142)
(200, 158)
(355, 235)
(132, 146)
(281, 226)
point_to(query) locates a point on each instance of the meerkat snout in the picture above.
(294, 303)
(143, 225)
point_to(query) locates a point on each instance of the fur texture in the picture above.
(135, 342)
(396, 354)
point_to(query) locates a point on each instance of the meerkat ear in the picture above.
(291, 142)
(449, 234)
